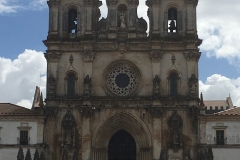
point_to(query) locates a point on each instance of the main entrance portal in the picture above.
(122, 146)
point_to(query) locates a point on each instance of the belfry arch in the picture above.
(129, 123)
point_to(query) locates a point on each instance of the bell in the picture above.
(172, 26)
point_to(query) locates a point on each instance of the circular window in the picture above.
(122, 79)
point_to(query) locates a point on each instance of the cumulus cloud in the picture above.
(19, 77)
(10, 6)
(218, 26)
(218, 87)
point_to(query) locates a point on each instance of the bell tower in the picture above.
(172, 17)
(108, 78)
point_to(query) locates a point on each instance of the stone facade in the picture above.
(108, 75)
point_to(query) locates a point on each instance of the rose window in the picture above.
(123, 79)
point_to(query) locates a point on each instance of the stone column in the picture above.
(53, 16)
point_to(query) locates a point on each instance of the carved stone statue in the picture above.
(122, 20)
(68, 126)
(51, 86)
(175, 125)
(156, 85)
(87, 86)
(163, 155)
(193, 82)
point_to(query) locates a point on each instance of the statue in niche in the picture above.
(68, 126)
(175, 125)
(163, 154)
(87, 85)
(156, 85)
(175, 137)
(122, 20)
(51, 85)
(193, 81)
(69, 137)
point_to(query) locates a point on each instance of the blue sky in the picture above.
(24, 24)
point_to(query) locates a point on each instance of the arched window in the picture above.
(173, 84)
(71, 77)
(172, 20)
(72, 21)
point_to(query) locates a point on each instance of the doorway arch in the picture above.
(115, 122)
(122, 146)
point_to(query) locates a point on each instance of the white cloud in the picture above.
(6, 7)
(219, 27)
(19, 77)
(10, 6)
(218, 87)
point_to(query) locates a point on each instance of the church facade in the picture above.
(116, 92)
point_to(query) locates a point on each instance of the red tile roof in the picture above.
(233, 111)
(12, 109)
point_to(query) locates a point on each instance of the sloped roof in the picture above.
(12, 109)
(230, 112)
(214, 103)
(226, 104)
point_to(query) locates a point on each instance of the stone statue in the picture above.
(193, 81)
(69, 137)
(156, 85)
(51, 85)
(122, 20)
(87, 86)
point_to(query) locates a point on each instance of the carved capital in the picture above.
(133, 2)
(88, 56)
(52, 56)
(53, 3)
(156, 111)
(51, 111)
(192, 55)
(151, 2)
(156, 55)
(87, 111)
(111, 2)
(195, 2)
(88, 2)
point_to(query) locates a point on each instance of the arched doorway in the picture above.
(122, 146)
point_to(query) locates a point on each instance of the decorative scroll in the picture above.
(88, 56)
(156, 55)
(52, 56)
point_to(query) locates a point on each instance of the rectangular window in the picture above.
(23, 137)
(220, 137)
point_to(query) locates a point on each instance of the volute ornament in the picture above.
(192, 55)
(52, 56)
(156, 55)
(88, 56)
